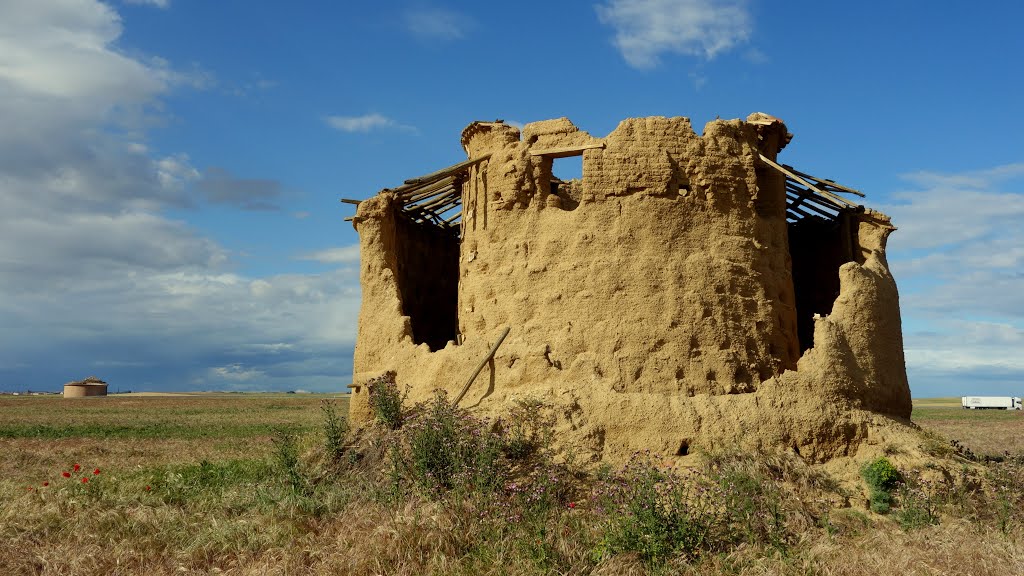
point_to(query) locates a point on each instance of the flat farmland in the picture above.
(245, 484)
(40, 434)
(984, 432)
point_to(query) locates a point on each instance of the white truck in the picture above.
(991, 402)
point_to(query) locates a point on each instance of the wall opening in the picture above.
(427, 273)
(817, 248)
(567, 180)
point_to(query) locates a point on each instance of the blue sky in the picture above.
(170, 169)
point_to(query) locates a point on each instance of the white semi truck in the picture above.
(991, 402)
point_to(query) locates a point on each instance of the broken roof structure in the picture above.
(689, 291)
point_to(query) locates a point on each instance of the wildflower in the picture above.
(66, 474)
(47, 483)
(96, 472)
(147, 487)
(77, 467)
(85, 480)
(572, 504)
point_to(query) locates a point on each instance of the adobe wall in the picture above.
(80, 391)
(656, 310)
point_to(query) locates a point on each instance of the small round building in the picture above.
(91, 386)
(689, 291)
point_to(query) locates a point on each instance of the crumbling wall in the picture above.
(664, 279)
(658, 313)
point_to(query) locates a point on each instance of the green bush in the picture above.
(659, 513)
(386, 400)
(528, 429)
(752, 504)
(881, 477)
(449, 449)
(286, 456)
(336, 429)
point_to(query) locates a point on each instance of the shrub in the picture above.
(386, 400)
(335, 430)
(449, 449)
(658, 513)
(881, 477)
(528, 429)
(286, 456)
(752, 504)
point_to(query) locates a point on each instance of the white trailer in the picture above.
(991, 402)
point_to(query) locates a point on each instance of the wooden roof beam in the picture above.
(566, 151)
(805, 183)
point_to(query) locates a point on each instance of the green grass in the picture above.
(170, 417)
(138, 431)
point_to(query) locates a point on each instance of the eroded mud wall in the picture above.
(670, 276)
(658, 313)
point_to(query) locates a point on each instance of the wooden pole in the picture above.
(482, 364)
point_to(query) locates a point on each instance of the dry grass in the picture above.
(220, 504)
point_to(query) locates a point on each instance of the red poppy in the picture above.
(66, 474)
(572, 504)
(147, 488)
(84, 480)
(96, 471)
(77, 467)
(46, 483)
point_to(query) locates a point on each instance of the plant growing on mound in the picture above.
(528, 429)
(335, 429)
(447, 448)
(386, 400)
(918, 504)
(658, 512)
(881, 477)
(286, 455)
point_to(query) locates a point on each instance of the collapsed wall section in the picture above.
(818, 248)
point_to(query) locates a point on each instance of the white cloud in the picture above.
(339, 255)
(93, 270)
(957, 257)
(363, 123)
(438, 24)
(947, 209)
(157, 3)
(175, 172)
(645, 29)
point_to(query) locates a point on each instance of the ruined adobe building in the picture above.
(689, 292)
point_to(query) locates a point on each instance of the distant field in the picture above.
(985, 432)
(41, 433)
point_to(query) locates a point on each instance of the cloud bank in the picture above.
(958, 257)
(96, 277)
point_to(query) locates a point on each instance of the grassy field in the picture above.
(253, 484)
